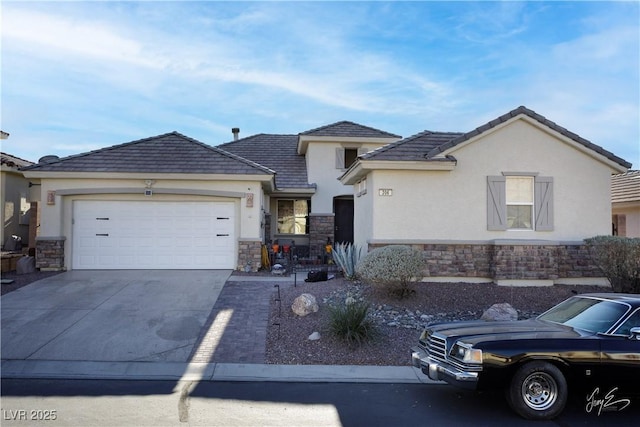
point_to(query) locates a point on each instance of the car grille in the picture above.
(437, 347)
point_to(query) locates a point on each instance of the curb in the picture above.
(177, 371)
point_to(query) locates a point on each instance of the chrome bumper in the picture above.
(439, 371)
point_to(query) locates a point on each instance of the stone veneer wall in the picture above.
(320, 227)
(50, 253)
(506, 261)
(249, 252)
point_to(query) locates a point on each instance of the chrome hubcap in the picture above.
(539, 391)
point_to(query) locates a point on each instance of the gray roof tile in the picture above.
(349, 129)
(13, 161)
(168, 153)
(277, 152)
(429, 145)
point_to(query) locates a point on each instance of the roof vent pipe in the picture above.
(235, 132)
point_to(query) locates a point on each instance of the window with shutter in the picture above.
(520, 203)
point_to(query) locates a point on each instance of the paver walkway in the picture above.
(236, 330)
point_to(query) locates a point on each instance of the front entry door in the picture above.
(343, 209)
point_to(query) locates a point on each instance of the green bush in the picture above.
(619, 260)
(393, 268)
(351, 323)
(347, 257)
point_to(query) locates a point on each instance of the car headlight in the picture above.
(466, 353)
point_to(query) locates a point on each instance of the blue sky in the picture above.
(78, 76)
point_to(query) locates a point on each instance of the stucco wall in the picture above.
(631, 219)
(321, 170)
(452, 205)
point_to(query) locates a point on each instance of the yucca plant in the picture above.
(350, 323)
(347, 257)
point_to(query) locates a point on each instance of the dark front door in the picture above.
(343, 209)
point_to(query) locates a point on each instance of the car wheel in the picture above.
(538, 391)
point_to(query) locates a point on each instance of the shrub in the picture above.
(392, 267)
(347, 257)
(619, 260)
(351, 323)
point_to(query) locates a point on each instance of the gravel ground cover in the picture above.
(398, 322)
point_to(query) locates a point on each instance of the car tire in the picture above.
(538, 391)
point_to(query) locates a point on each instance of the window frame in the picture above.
(543, 204)
(294, 216)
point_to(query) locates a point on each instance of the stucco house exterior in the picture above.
(15, 201)
(625, 204)
(477, 203)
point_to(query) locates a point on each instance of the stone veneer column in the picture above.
(249, 253)
(50, 253)
(321, 227)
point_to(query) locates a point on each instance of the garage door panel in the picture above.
(153, 235)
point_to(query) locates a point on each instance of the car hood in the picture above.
(478, 331)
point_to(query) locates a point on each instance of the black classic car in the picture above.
(588, 342)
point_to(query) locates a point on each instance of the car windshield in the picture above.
(589, 314)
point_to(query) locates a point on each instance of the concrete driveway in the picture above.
(139, 315)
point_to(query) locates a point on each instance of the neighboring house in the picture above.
(518, 190)
(625, 204)
(16, 208)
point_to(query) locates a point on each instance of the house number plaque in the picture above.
(385, 192)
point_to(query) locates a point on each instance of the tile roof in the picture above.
(625, 187)
(13, 161)
(411, 148)
(541, 119)
(349, 129)
(277, 152)
(430, 145)
(168, 153)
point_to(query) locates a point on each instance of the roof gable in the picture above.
(168, 153)
(443, 148)
(349, 130)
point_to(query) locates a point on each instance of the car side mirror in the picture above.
(635, 333)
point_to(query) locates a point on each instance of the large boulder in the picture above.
(500, 312)
(304, 304)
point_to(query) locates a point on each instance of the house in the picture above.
(625, 204)
(477, 203)
(16, 208)
(509, 202)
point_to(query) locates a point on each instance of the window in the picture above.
(362, 187)
(345, 157)
(519, 198)
(520, 202)
(293, 216)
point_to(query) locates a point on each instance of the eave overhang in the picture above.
(617, 167)
(362, 168)
(304, 140)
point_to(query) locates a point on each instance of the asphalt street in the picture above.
(209, 403)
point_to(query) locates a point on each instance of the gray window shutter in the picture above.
(496, 203)
(543, 199)
(339, 158)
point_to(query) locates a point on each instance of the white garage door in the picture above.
(153, 235)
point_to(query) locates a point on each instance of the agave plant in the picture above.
(347, 257)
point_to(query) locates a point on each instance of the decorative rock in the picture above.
(304, 304)
(500, 312)
(314, 336)
(349, 300)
